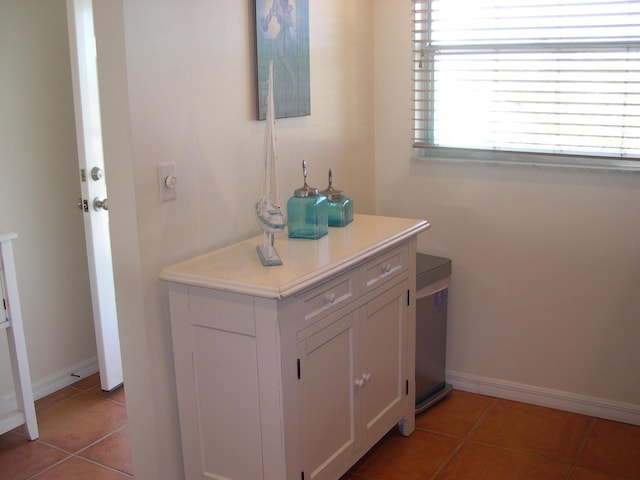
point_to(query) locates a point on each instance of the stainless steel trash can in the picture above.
(432, 289)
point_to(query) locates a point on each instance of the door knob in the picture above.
(98, 204)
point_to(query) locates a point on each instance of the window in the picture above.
(528, 81)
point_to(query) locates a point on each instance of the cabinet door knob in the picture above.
(386, 268)
(366, 377)
(359, 383)
(330, 298)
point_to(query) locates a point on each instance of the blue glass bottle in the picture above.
(307, 211)
(340, 207)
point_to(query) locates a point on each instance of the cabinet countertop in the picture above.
(237, 268)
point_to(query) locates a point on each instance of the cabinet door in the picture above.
(327, 397)
(383, 337)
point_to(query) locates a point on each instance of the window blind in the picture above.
(557, 79)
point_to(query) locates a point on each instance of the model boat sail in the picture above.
(271, 218)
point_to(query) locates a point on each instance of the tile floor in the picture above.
(83, 435)
(475, 437)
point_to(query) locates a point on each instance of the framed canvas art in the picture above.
(282, 35)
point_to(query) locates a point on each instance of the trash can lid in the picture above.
(430, 268)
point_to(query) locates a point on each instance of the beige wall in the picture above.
(546, 263)
(39, 188)
(181, 88)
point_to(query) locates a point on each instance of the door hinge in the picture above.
(299, 376)
(406, 387)
(83, 175)
(408, 297)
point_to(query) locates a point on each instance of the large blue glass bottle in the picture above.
(307, 211)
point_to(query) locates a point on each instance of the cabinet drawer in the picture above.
(390, 265)
(327, 298)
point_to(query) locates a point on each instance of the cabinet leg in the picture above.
(407, 425)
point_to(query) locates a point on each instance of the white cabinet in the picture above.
(383, 356)
(295, 371)
(328, 373)
(353, 381)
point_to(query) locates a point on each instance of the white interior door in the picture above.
(94, 203)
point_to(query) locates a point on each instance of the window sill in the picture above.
(528, 160)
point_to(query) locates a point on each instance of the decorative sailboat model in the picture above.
(271, 218)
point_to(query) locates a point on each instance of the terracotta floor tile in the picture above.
(78, 469)
(544, 431)
(456, 414)
(407, 458)
(580, 473)
(54, 398)
(613, 447)
(80, 421)
(116, 395)
(464, 437)
(21, 459)
(87, 382)
(483, 462)
(114, 451)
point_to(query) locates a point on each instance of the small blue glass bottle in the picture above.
(340, 207)
(307, 211)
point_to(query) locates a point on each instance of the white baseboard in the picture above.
(64, 378)
(571, 402)
(61, 379)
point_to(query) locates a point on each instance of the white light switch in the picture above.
(167, 181)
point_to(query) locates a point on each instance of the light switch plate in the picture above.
(167, 177)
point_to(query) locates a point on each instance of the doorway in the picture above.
(38, 194)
